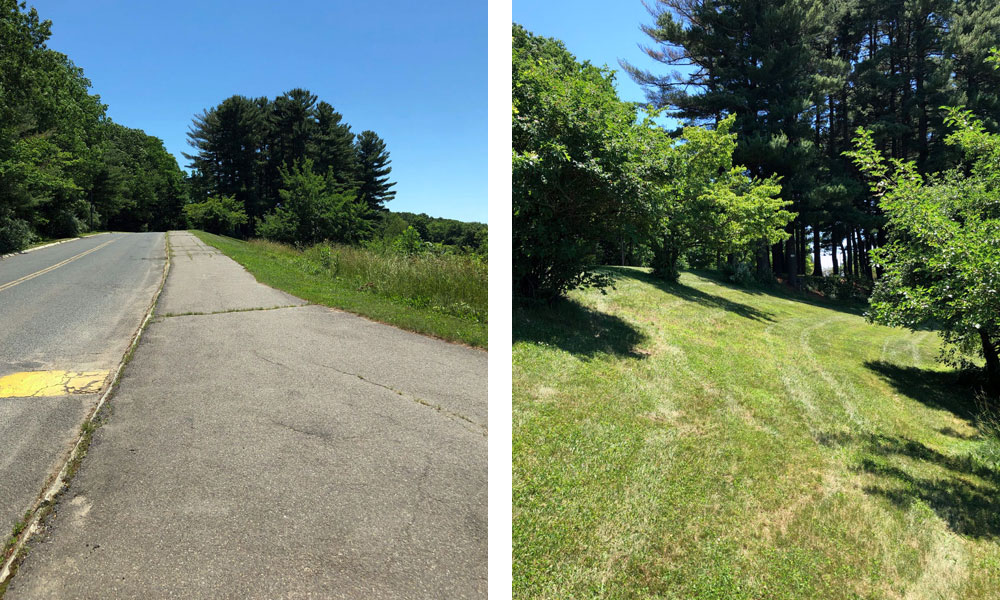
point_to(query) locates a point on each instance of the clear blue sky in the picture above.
(413, 72)
(601, 31)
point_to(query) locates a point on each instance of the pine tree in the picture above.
(373, 170)
(230, 142)
(753, 59)
(333, 146)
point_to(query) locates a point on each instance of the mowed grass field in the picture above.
(698, 440)
(442, 296)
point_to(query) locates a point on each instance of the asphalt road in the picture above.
(260, 447)
(72, 308)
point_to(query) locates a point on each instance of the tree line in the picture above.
(65, 166)
(289, 169)
(292, 166)
(800, 76)
(591, 170)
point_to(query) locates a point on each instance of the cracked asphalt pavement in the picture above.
(67, 314)
(267, 448)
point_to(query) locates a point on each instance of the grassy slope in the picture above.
(697, 440)
(281, 270)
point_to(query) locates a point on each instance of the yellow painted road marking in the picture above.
(53, 267)
(51, 383)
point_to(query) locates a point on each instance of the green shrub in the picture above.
(217, 214)
(15, 235)
(408, 242)
(314, 209)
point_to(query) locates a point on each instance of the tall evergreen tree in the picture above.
(230, 141)
(373, 170)
(753, 59)
(333, 146)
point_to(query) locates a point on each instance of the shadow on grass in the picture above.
(968, 506)
(946, 390)
(690, 294)
(786, 293)
(570, 326)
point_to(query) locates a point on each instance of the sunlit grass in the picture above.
(444, 296)
(697, 440)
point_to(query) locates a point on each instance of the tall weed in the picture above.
(451, 284)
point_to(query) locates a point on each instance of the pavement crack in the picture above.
(323, 436)
(273, 362)
(230, 310)
(479, 428)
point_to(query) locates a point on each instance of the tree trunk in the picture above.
(992, 362)
(856, 266)
(778, 258)
(848, 254)
(791, 261)
(665, 256)
(817, 267)
(834, 246)
(879, 242)
(868, 258)
(763, 266)
(802, 250)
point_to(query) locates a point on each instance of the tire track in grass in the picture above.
(838, 388)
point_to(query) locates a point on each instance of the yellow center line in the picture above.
(53, 267)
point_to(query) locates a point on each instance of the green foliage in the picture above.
(408, 242)
(942, 262)
(136, 184)
(459, 235)
(801, 75)
(578, 162)
(588, 171)
(245, 147)
(707, 203)
(440, 295)
(64, 166)
(228, 140)
(15, 235)
(315, 208)
(217, 214)
(373, 170)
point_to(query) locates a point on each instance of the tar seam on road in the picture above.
(59, 482)
(231, 310)
(54, 267)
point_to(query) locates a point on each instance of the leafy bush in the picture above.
(64, 224)
(940, 265)
(408, 242)
(15, 235)
(574, 153)
(218, 214)
(743, 274)
(314, 209)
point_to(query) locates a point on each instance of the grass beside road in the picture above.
(696, 440)
(441, 296)
(43, 242)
